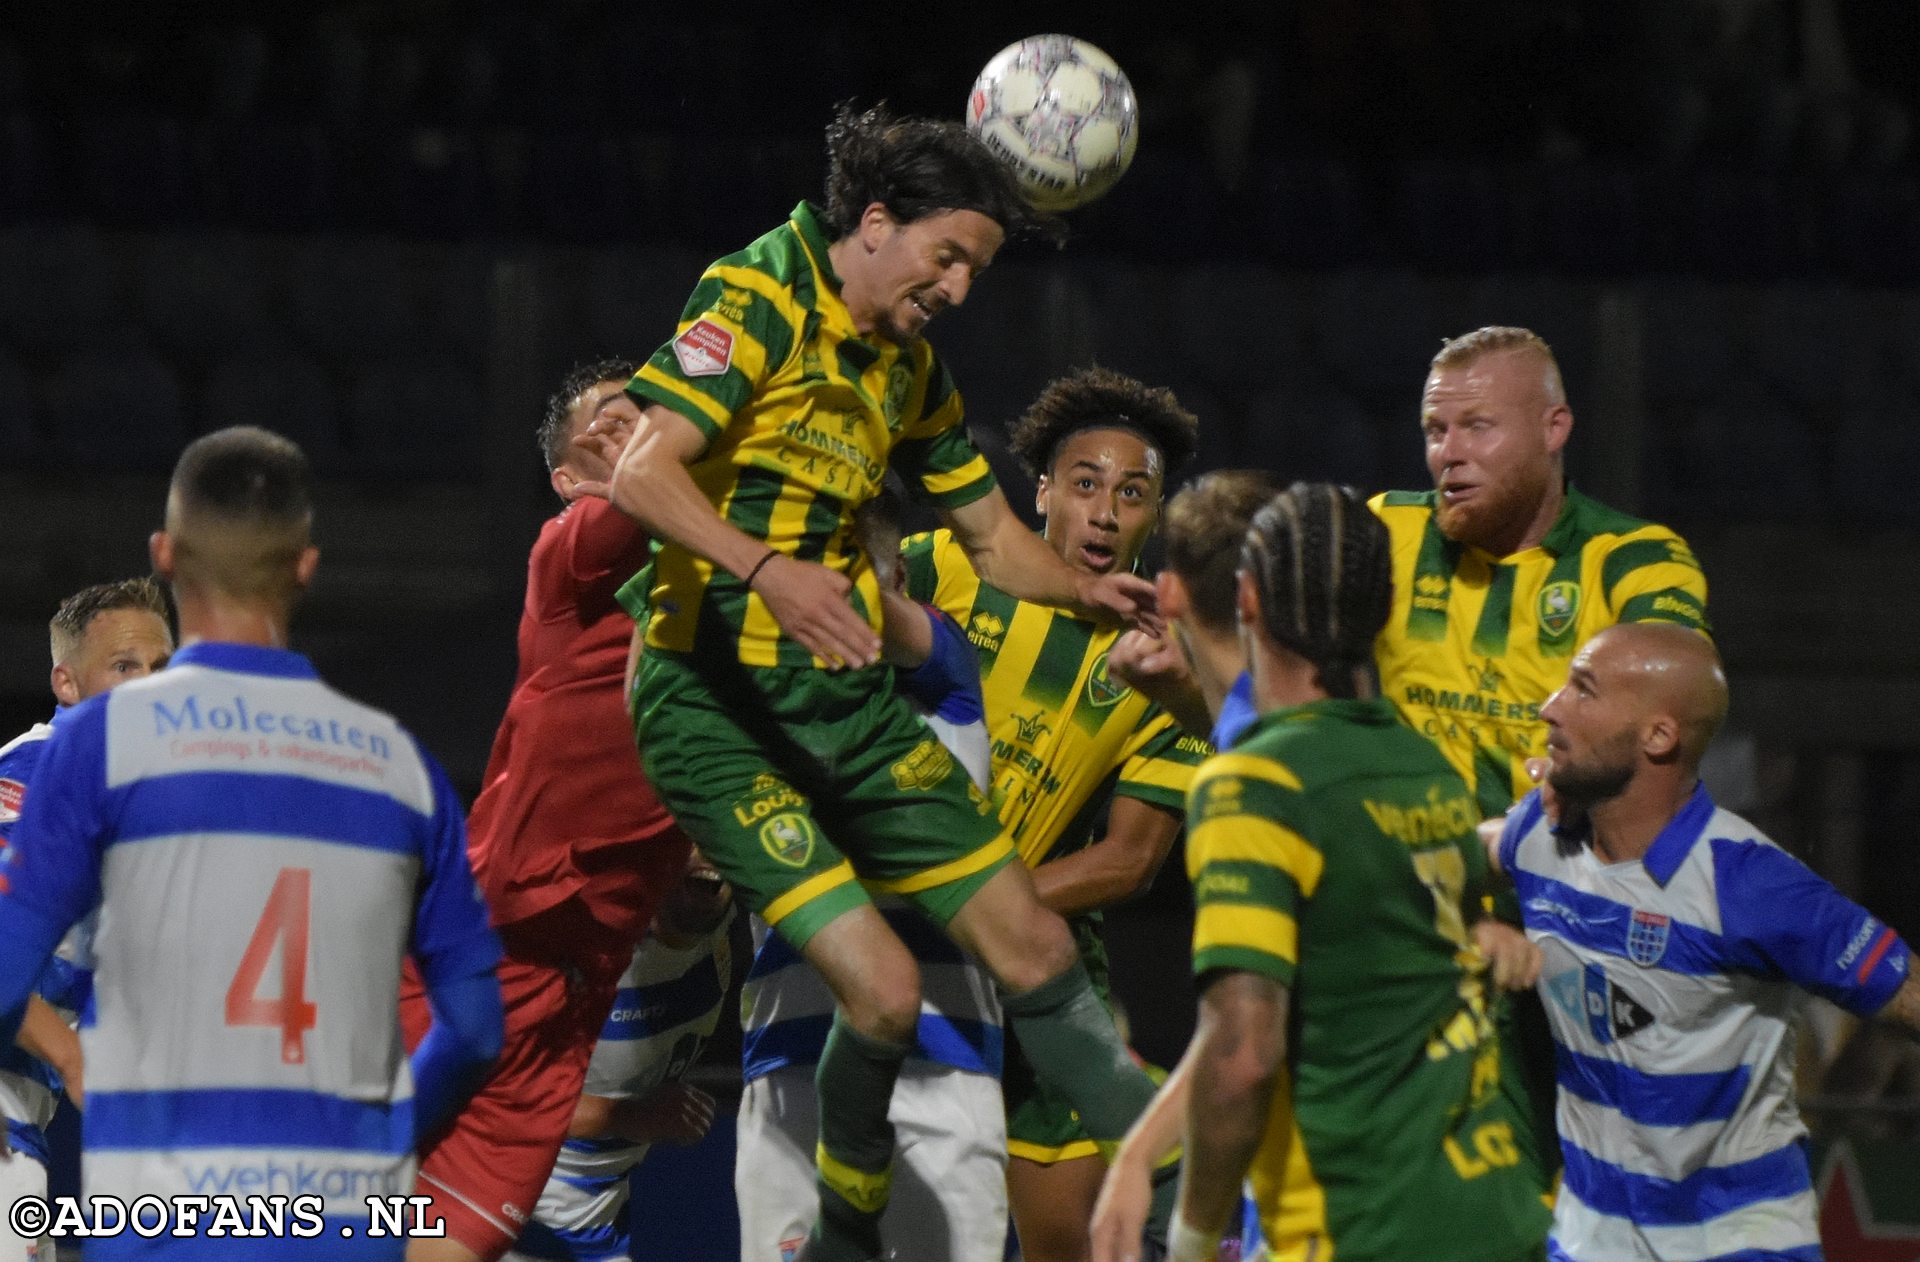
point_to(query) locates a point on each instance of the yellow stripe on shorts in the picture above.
(805, 892)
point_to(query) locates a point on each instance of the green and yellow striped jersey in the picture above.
(802, 417)
(1063, 732)
(1333, 850)
(1476, 643)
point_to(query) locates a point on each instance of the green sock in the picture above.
(1068, 1036)
(854, 1159)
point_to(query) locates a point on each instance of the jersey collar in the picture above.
(246, 659)
(1566, 533)
(1670, 848)
(1371, 711)
(813, 234)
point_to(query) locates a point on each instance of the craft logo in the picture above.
(925, 767)
(704, 350)
(1559, 607)
(789, 838)
(1647, 937)
(1101, 690)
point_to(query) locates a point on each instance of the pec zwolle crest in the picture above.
(1559, 606)
(1647, 937)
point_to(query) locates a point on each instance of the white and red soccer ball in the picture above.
(1059, 112)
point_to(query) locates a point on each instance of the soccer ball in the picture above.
(1059, 112)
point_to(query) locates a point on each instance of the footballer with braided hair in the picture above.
(1343, 1061)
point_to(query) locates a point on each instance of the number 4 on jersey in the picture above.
(284, 920)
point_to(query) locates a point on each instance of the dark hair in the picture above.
(917, 167)
(1099, 398)
(1203, 529)
(552, 434)
(244, 474)
(1322, 564)
(69, 623)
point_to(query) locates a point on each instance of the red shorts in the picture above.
(485, 1171)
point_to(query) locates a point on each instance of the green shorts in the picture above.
(1041, 1125)
(800, 784)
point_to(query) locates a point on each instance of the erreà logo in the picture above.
(1101, 690)
(1559, 606)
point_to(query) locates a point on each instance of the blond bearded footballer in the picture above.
(1067, 739)
(797, 377)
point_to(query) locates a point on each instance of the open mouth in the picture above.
(1457, 492)
(1097, 557)
(921, 305)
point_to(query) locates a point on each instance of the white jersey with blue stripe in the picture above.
(264, 851)
(1670, 983)
(667, 1007)
(29, 1087)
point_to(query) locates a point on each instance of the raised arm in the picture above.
(1019, 562)
(651, 484)
(1116, 867)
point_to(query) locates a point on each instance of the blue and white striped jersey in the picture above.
(264, 851)
(29, 1087)
(1670, 985)
(667, 1007)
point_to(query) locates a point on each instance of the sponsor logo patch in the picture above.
(1647, 937)
(12, 795)
(704, 350)
(925, 767)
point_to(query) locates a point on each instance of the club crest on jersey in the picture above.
(1559, 607)
(1101, 690)
(899, 385)
(1647, 937)
(789, 838)
(704, 350)
(12, 795)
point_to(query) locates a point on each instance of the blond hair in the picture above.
(1503, 339)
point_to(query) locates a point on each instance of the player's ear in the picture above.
(1661, 739)
(562, 481)
(1246, 598)
(876, 224)
(65, 687)
(1559, 427)
(1040, 495)
(1170, 593)
(160, 552)
(303, 568)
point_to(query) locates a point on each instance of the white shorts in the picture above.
(949, 1199)
(21, 1175)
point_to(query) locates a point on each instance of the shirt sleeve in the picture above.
(738, 328)
(923, 571)
(51, 875)
(1160, 768)
(602, 542)
(1827, 944)
(1520, 821)
(935, 451)
(451, 937)
(1252, 869)
(1652, 576)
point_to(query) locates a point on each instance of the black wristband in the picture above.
(759, 565)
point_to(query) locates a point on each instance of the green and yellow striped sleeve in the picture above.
(1251, 868)
(1652, 576)
(935, 450)
(739, 326)
(1160, 770)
